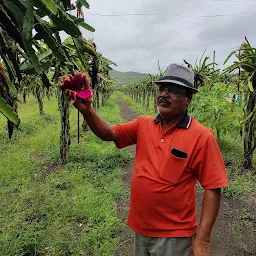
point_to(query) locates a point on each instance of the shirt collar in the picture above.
(183, 123)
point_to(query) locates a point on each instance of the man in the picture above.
(173, 152)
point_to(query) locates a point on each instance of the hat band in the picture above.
(184, 81)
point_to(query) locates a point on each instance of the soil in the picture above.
(234, 232)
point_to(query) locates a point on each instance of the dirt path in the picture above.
(234, 232)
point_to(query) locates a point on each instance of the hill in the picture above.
(123, 78)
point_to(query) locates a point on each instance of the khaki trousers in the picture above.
(154, 246)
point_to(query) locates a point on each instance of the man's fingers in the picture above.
(77, 102)
(68, 97)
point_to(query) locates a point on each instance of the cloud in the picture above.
(168, 31)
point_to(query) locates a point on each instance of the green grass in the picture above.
(242, 182)
(50, 209)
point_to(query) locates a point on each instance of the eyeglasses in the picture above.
(173, 89)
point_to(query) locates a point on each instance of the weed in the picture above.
(242, 229)
(49, 209)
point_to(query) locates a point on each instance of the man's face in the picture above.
(172, 100)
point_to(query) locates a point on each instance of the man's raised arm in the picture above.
(99, 127)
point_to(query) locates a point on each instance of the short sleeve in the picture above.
(127, 133)
(209, 166)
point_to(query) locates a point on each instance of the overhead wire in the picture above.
(168, 14)
(183, 16)
(242, 1)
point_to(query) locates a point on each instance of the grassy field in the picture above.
(50, 209)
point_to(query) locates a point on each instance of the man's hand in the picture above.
(81, 104)
(99, 127)
(210, 208)
(200, 248)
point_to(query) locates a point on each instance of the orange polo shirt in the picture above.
(167, 166)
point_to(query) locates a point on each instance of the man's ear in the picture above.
(188, 102)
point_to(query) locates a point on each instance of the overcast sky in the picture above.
(137, 33)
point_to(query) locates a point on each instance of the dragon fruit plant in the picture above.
(77, 86)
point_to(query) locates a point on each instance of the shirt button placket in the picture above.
(162, 140)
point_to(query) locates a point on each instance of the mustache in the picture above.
(162, 99)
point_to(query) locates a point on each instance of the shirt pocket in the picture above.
(173, 169)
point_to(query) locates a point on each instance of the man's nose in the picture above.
(165, 91)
